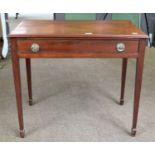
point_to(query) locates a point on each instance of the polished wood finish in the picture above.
(17, 82)
(138, 83)
(29, 80)
(124, 70)
(77, 55)
(77, 39)
(70, 48)
(83, 29)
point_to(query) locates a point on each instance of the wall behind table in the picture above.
(80, 16)
(134, 17)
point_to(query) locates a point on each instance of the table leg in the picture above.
(17, 82)
(29, 80)
(138, 83)
(123, 80)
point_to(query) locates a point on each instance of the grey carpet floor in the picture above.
(77, 100)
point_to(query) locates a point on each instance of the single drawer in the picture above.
(38, 46)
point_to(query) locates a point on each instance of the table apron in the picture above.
(51, 55)
(49, 48)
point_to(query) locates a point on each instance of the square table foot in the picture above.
(22, 133)
(121, 102)
(133, 132)
(30, 102)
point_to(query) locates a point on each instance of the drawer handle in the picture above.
(35, 48)
(120, 47)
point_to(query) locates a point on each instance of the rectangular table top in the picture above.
(99, 29)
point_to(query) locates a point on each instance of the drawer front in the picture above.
(66, 47)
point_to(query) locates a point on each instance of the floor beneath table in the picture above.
(77, 100)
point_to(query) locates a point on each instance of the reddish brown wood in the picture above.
(77, 48)
(29, 80)
(77, 55)
(72, 47)
(138, 83)
(124, 70)
(77, 39)
(84, 29)
(17, 82)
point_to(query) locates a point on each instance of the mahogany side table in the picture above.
(77, 39)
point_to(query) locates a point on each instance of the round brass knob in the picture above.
(35, 48)
(120, 47)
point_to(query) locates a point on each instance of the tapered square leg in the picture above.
(17, 83)
(29, 80)
(138, 83)
(123, 80)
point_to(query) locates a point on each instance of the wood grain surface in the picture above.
(88, 29)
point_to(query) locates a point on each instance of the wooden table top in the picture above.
(99, 29)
